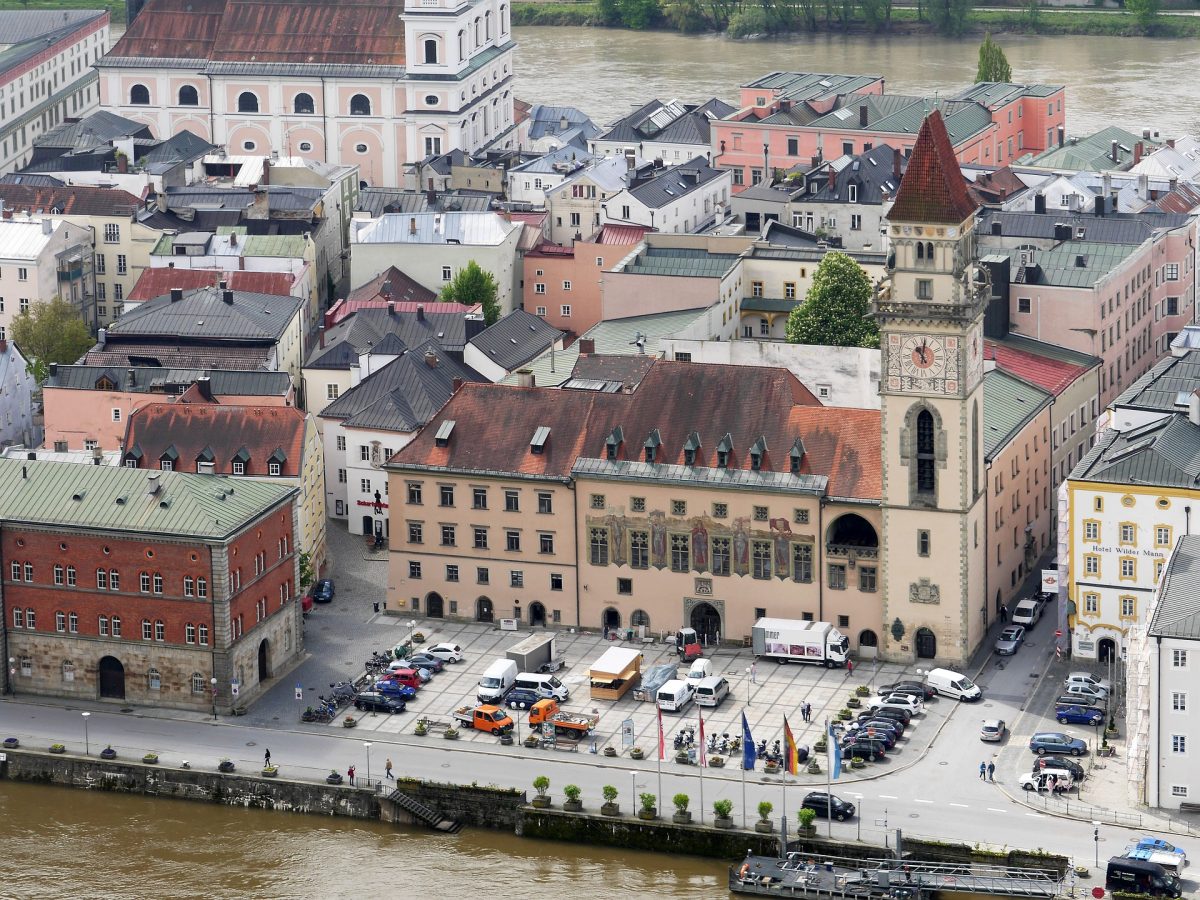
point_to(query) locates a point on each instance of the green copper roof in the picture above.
(119, 499)
(1008, 405)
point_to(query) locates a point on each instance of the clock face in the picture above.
(922, 357)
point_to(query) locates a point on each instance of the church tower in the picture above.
(930, 315)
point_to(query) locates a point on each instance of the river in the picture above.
(1131, 82)
(60, 843)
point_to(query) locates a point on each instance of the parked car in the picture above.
(1081, 700)
(890, 712)
(1078, 715)
(1086, 690)
(1010, 640)
(1061, 764)
(395, 689)
(1158, 845)
(905, 687)
(379, 702)
(892, 725)
(917, 693)
(1059, 782)
(992, 730)
(909, 704)
(322, 591)
(1088, 678)
(400, 665)
(521, 698)
(828, 806)
(427, 661)
(870, 733)
(451, 653)
(1056, 742)
(865, 748)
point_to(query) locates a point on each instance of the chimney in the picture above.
(474, 325)
(3, 346)
(233, 239)
(431, 359)
(587, 346)
(455, 384)
(1062, 135)
(204, 387)
(862, 115)
(1143, 186)
(563, 124)
(1194, 407)
(630, 161)
(1039, 203)
(227, 297)
(412, 225)
(177, 293)
(122, 164)
(420, 312)
(1171, 143)
(102, 337)
(525, 378)
(53, 370)
(47, 226)
(130, 379)
(153, 485)
(1115, 151)
(1138, 150)
(266, 172)
(1100, 204)
(222, 284)
(897, 156)
(391, 307)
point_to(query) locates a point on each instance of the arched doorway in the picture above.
(868, 644)
(368, 526)
(484, 612)
(434, 608)
(926, 644)
(707, 622)
(852, 533)
(112, 679)
(264, 660)
(537, 613)
(611, 620)
(1106, 650)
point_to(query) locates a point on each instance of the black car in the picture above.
(828, 806)
(1062, 764)
(377, 702)
(521, 698)
(868, 733)
(864, 748)
(425, 661)
(1080, 700)
(889, 725)
(891, 712)
(916, 688)
(322, 591)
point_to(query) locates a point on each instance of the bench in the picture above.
(1189, 807)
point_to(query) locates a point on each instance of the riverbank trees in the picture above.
(993, 64)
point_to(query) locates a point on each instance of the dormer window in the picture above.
(168, 459)
(612, 444)
(796, 456)
(133, 457)
(240, 461)
(724, 449)
(104, 383)
(275, 462)
(442, 438)
(757, 452)
(537, 446)
(852, 193)
(653, 441)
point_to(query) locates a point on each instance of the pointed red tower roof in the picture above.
(932, 190)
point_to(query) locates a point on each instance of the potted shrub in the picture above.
(334, 777)
(806, 817)
(421, 729)
(450, 734)
(722, 809)
(814, 767)
(11, 743)
(857, 762)
(682, 757)
(58, 748)
(772, 767)
(821, 745)
(682, 815)
(764, 825)
(845, 714)
(507, 739)
(532, 741)
(108, 753)
(349, 722)
(610, 751)
(610, 807)
(225, 765)
(572, 803)
(717, 762)
(853, 702)
(418, 638)
(1111, 729)
(862, 691)
(637, 753)
(309, 715)
(270, 771)
(541, 784)
(648, 810)
(150, 758)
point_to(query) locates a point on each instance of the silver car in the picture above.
(992, 730)
(1010, 640)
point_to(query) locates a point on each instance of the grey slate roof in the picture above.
(378, 331)
(732, 478)
(183, 146)
(872, 173)
(29, 32)
(546, 121)
(203, 314)
(516, 339)
(1164, 453)
(404, 395)
(96, 130)
(159, 379)
(1166, 387)
(1114, 228)
(117, 499)
(1177, 613)
(668, 123)
(674, 182)
(569, 155)
(1075, 264)
(378, 201)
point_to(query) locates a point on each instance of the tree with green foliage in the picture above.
(1144, 12)
(608, 12)
(50, 333)
(877, 14)
(949, 17)
(993, 64)
(837, 309)
(639, 14)
(472, 285)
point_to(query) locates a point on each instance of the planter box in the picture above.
(506, 739)
(270, 771)
(610, 809)
(764, 827)
(541, 802)
(11, 743)
(637, 753)
(610, 751)
(349, 722)
(573, 806)
(108, 753)
(150, 759)
(57, 748)
(682, 757)
(647, 814)
(450, 734)
(682, 818)
(717, 762)
(814, 768)
(773, 768)
(225, 767)
(724, 822)
(532, 741)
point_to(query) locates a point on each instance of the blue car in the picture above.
(1078, 715)
(1056, 742)
(395, 689)
(1158, 845)
(521, 698)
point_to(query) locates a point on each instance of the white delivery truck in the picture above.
(793, 640)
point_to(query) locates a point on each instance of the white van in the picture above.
(951, 684)
(711, 691)
(497, 681)
(701, 668)
(545, 686)
(1027, 613)
(675, 695)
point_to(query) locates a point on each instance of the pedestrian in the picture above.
(754, 672)
(982, 772)
(387, 768)
(1004, 614)
(267, 758)
(807, 711)
(991, 771)
(850, 666)
(350, 774)
(803, 711)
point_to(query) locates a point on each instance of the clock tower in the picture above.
(930, 315)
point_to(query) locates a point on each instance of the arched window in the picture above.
(487, 25)
(503, 19)
(926, 481)
(639, 617)
(360, 105)
(929, 251)
(920, 250)
(154, 679)
(139, 95)
(303, 104)
(431, 51)
(198, 683)
(974, 447)
(188, 96)
(247, 102)
(478, 31)
(462, 45)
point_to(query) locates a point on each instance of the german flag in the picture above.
(791, 758)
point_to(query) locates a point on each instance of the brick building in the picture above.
(142, 587)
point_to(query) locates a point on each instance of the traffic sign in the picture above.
(1097, 892)
(1058, 633)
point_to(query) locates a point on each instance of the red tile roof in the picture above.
(621, 234)
(1053, 375)
(158, 282)
(74, 200)
(362, 32)
(932, 190)
(494, 424)
(225, 430)
(392, 284)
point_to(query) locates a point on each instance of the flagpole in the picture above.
(702, 795)
(828, 778)
(660, 797)
(743, 764)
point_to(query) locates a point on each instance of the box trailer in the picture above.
(792, 640)
(535, 654)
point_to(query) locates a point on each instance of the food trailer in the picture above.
(618, 670)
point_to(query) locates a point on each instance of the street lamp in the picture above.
(1096, 838)
(213, 681)
(87, 747)
(412, 624)
(367, 744)
(11, 681)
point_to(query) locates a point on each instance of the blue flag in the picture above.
(835, 755)
(749, 756)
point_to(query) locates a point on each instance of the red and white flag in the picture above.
(703, 752)
(662, 747)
